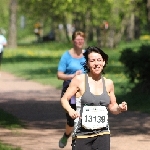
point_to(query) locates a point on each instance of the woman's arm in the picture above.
(113, 106)
(71, 91)
(63, 76)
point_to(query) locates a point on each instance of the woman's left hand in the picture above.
(123, 106)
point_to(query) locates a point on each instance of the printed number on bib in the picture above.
(94, 117)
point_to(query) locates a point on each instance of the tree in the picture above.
(12, 35)
(125, 18)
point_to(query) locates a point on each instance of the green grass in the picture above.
(9, 121)
(36, 62)
(39, 62)
(7, 147)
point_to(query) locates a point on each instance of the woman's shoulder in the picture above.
(78, 81)
(80, 77)
(66, 54)
(109, 84)
(108, 81)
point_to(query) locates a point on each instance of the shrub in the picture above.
(137, 63)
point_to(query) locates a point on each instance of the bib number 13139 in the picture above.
(94, 117)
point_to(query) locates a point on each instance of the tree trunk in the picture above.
(12, 37)
(132, 26)
(65, 28)
(137, 28)
(98, 31)
(148, 14)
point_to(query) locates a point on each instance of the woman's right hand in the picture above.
(73, 114)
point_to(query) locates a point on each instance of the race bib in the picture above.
(94, 117)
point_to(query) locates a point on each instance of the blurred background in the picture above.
(105, 22)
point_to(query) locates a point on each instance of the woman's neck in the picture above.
(76, 52)
(95, 77)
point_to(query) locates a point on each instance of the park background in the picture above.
(39, 32)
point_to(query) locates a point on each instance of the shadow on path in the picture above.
(42, 109)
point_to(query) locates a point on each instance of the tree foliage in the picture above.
(127, 19)
(137, 66)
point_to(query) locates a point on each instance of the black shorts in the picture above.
(70, 121)
(100, 142)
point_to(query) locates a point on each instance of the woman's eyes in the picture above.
(94, 60)
(99, 59)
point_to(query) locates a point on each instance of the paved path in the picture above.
(38, 106)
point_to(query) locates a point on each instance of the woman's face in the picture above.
(78, 42)
(95, 63)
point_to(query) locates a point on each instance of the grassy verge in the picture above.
(9, 121)
(7, 147)
(35, 62)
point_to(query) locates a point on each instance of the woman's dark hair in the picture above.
(95, 49)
